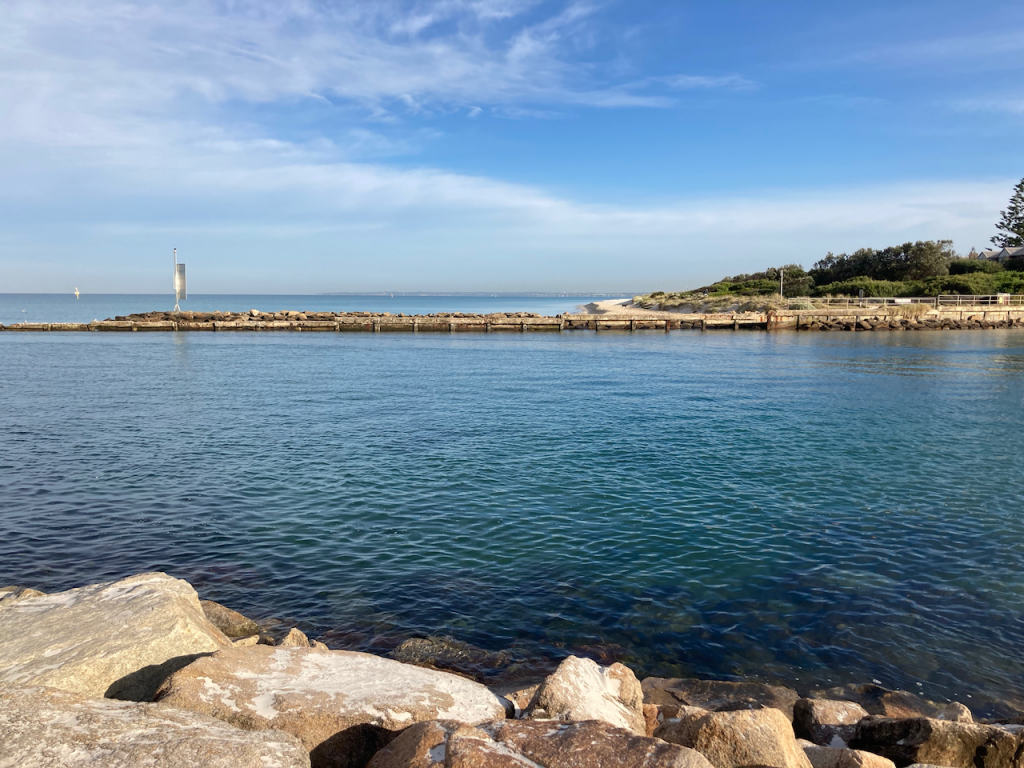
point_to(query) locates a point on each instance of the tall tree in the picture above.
(1012, 221)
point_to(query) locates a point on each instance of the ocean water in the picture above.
(806, 509)
(65, 308)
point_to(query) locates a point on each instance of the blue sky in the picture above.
(294, 147)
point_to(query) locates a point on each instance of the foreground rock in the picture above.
(827, 757)
(231, 623)
(119, 639)
(526, 744)
(8, 595)
(938, 742)
(343, 706)
(758, 737)
(46, 728)
(580, 689)
(826, 722)
(716, 695)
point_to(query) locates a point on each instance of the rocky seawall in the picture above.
(141, 672)
(855, 319)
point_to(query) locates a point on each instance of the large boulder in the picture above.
(739, 738)
(46, 728)
(344, 706)
(119, 639)
(581, 689)
(827, 722)
(717, 695)
(531, 744)
(827, 757)
(231, 623)
(877, 700)
(939, 742)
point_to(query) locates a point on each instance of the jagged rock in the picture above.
(46, 728)
(294, 639)
(679, 728)
(823, 721)
(759, 737)
(118, 639)
(518, 695)
(877, 700)
(718, 695)
(940, 742)
(827, 757)
(318, 645)
(231, 623)
(344, 706)
(526, 744)
(8, 595)
(246, 642)
(580, 689)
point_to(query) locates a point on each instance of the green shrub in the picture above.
(871, 288)
(970, 266)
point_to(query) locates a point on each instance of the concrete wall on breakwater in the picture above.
(851, 319)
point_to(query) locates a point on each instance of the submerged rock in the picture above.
(580, 690)
(824, 721)
(759, 737)
(525, 744)
(877, 700)
(344, 706)
(46, 728)
(231, 623)
(119, 639)
(718, 695)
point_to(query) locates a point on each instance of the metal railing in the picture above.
(957, 300)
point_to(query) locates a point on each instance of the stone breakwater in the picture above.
(872, 319)
(141, 672)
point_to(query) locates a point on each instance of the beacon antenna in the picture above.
(179, 282)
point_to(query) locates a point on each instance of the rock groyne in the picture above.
(202, 685)
(835, 319)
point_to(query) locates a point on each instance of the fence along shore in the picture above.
(933, 313)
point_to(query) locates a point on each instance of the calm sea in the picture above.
(65, 308)
(808, 509)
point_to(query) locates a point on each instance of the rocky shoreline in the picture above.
(141, 672)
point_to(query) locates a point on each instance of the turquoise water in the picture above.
(809, 509)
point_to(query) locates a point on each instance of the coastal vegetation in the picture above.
(922, 268)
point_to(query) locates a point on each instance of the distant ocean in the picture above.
(65, 308)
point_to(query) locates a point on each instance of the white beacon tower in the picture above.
(179, 282)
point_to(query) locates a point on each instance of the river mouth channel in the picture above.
(803, 509)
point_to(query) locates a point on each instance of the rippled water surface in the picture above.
(810, 509)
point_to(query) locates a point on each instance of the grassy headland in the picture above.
(924, 268)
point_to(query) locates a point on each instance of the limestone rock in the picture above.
(955, 712)
(8, 595)
(46, 728)
(718, 695)
(246, 642)
(118, 639)
(877, 700)
(518, 696)
(939, 742)
(531, 744)
(294, 639)
(344, 706)
(681, 727)
(758, 737)
(231, 623)
(318, 645)
(824, 721)
(581, 690)
(826, 757)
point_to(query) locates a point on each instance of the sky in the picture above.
(296, 146)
